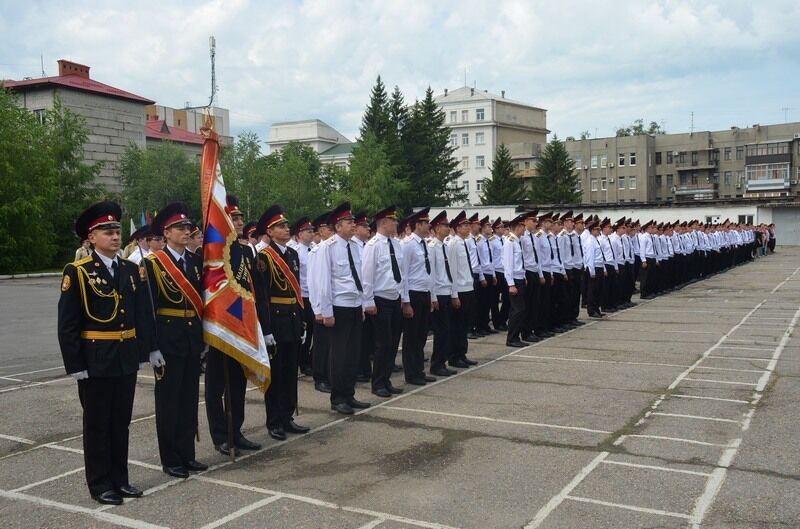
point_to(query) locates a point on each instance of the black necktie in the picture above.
(611, 246)
(477, 253)
(395, 267)
(469, 260)
(446, 265)
(353, 268)
(580, 247)
(115, 270)
(491, 259)
(558, 251)
(601, 250)
(551, 246)
(533, 245)
(181, 264)
(521, 254)
(427, 262)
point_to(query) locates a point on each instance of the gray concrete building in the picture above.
(114, 117)
(760, 162)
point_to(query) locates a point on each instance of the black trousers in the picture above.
(367, 349)
(561, 300)
(594, 290)
(621, 291)
(461, 322)
(544, 318)
(215, 395)
(320, 351)
(500, 302)
(415, 334)
(441, 321)
(608, 299)
(107, 407)
(345, 352)
(485, 297)
(532, 292)
(386, 326)
(574, 291)
(176, 409)
(304, 352)
(516, 316)
(280, 400)
(647, 278)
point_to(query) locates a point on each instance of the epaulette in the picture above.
(563, 232)
(538, 234)
(371, 242)
(492, 238)
(512, 237)
(479, 238)
(82, 260)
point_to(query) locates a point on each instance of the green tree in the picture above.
(155, 176)
(245, 173)
(557, 178)
(293, 180)
(372, 181)
(637, 128)
(504, 187)
(376, 116)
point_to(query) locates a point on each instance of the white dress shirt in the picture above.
(512, 259)
(415, 273)
(377, 276)
(530, 254)
(337, 287)
(593, 257)
(442, 283)
(459, 266)
(474, 258)
(496, 244)
(303, 254)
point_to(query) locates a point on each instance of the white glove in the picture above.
(80, 375)
(204, 351)
(143, 365)
(303, 338)
(157, 359)
(270, 340)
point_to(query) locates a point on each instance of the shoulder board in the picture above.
(563, 232)
(512, 237)
(82, 260)
(538, 234)
(493, 237)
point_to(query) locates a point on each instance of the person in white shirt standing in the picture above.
(595, 270)
(360, 238)
(303, 233)
(499, 303)
(320, 349)
(441, 319)
(462, 293)
(514, 272)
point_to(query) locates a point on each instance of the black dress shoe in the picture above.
(394, 391)
(609, 309)
(459, 364)
(472, 336)
(363, 378)
(429, 378)
(223, 449)
(323, 387)
(441, 372)
(353, 403)
(545, 334)
(382, 392)
(501, 327)
(343, 408)
(481, 333)
(469, 362)
(307, 371)
(489, 331)
(531, 338)
(195, 466)
(176, 472)
(416, 381)
(277, 433)
(397, 368)
(109, 497)
(596, 316)
(246, 444)
(293, 427)
(129, 491)
(515, 343)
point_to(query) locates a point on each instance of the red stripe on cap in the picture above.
(175, 218)
(274, 220)
(105, 219)
(343, 215)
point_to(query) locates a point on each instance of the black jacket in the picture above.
(285, 320)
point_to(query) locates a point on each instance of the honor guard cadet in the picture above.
(571, 253)
(545, 322)
(341, 300)
(595, 267)
(618, 255)
(462, 293)
(514, 272)
(488, 293)
(609, 280)
(303, 232)
(647, 255)
(560, 279)
(417, 303)
(477, 274)
(279, 266)
(532, 328)
(243, 267)
(320, 349)
(441, 319)
(100, 312)
(499, 304)
(174, 336)
(360, 238)
(382, 281)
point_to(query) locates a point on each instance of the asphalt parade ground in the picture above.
(680, 412)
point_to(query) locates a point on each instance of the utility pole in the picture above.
(785, 114)
(691, 126)
(212, 43)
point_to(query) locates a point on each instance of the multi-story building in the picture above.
(331, 145)
(479, 122)
(115, 118)
(760, 162)
(192, 119)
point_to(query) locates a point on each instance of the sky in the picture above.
(594, 65)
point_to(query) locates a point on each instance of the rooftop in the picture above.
(158, 129)
(76, 82)
(341, 148)
(466, 93)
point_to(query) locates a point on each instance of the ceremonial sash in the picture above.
(275, 256)
(177, 276)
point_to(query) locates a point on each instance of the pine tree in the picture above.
(557, 179)
(376, 117)
(372, 182)
(504, 187)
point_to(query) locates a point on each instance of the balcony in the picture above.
(767, 184)
(700, 165)
(699, 191)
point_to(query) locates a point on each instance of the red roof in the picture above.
(78, 83)
(159, 130)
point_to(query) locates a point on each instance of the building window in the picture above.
(527, 164)
(727, 178)
(39, 115)
(727, 153)
(670, 181)
(632, 182)
(465, 185)
(465, 115)
(454, 140)
(621, 182)
(740, 177)
(658, 181)
(762, 149)
(479, 138)
(669, 156)
(480, 162)
(715, 155)
(578, 162)
(694, 177)
(478, 114)
(658, 158)
(479, 185)
(603, 160)
(740, 153)
(465, 139)
(770, 171)
(603, 184)
(632, 158)
(594, 184)
(453, 116)
(465, 162)
(715, 177)
(621, 159)
(695, 157)
(594, 162)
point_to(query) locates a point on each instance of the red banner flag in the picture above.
(230, 321)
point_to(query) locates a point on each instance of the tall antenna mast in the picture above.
(42, 58)
(212, 43)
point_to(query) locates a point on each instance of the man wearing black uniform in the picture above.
(175, 339)
(243, 266)
(99, 313)
(279, 266)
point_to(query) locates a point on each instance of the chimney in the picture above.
(503, 94)
(445, 92)
(66, 67)
(472, 91)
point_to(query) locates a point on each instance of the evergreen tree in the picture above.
(372, 182)
(557, 178)
(376, 117)
(244, 171)
(293, 180)
(504, 187)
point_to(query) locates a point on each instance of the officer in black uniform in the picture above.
(99, 314)
(279, 266)
(174, 336)
(242, 265)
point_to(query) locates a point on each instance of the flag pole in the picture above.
(228, 412)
